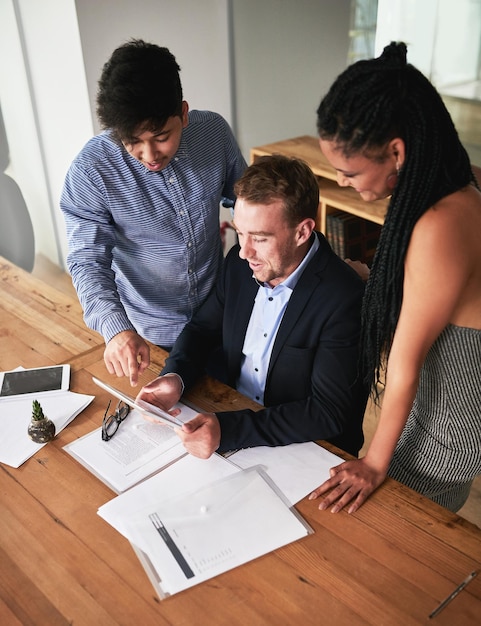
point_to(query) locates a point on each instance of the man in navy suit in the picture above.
(286, 312)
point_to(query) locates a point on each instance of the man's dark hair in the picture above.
(139, 88)
(369, 104)
(277, 177)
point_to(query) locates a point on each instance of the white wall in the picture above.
(262, 64)
(42, 98)
(195, 32)
(286, 55)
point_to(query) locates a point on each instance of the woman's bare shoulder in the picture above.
(457, 216)
(444, 250)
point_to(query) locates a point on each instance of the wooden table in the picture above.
(391, 563)
(39, 324)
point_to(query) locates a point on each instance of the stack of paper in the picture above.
(199, 518)
(140, 447)
(16, 413)
(138, 450)
(296, 469)
(190, 519)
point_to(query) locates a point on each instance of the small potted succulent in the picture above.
(40, 429)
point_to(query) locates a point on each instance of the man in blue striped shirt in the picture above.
(141, 207)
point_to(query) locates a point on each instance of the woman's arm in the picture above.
(436, 272)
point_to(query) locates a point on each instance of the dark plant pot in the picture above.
(41, 431)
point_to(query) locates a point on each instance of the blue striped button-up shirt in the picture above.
(144, 247)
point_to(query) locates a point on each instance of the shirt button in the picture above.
(189, 244)
(257, 397)
(265, 334)
(171, 180)
(271, 299)
(256, 369)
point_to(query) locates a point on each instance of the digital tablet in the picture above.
(144, 407)
(25, 382)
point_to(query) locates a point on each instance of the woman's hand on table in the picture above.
(350, 484)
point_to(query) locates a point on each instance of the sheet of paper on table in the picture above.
(297, 469)
(294, 470)
(138, 449)
(186, 539)
(187, 474)
(16, 413)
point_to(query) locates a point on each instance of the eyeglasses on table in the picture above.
(112, 421)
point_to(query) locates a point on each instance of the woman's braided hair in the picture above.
(369, 104)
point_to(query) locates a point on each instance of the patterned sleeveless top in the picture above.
(439, 451)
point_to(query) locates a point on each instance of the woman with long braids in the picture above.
(386, 131)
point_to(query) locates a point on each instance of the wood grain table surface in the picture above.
(391, 563)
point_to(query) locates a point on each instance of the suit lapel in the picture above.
(241, 317)
(299, 299)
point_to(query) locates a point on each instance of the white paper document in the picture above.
(297, 469)
(16, 413)
(144, 513)
(178, 479)
(188, 539)
(138, 449)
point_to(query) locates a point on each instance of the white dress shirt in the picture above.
(267, 313)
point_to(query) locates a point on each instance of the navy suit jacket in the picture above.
(313, 388)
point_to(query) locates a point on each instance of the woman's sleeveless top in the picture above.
(439, 452)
